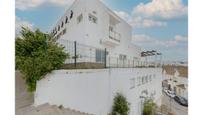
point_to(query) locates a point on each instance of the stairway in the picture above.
(24, 101)
(46, 109)
(22, 97)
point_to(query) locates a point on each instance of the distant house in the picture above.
(176, 78)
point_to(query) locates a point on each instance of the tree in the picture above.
(120, 106)
(149, 107)
(37, 54)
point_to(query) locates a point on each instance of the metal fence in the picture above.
(80, 55)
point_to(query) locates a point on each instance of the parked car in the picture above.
(181, 100)
(170, 93)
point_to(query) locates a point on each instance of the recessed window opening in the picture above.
(58, 27)
(79, 18)
(92, 18)
(62, 24)
(71, 15)
(66, 21)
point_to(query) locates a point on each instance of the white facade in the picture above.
(90, 22)
(93, 24)
(93, 91)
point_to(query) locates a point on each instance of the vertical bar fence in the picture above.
(85, 56)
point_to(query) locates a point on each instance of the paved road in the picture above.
(176, 108)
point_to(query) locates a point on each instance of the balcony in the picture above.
(114, 36)
(113, 39)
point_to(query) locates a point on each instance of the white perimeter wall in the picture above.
(93, 91)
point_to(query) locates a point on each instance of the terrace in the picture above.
(87, 57)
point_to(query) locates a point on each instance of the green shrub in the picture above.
(37, 54)
(149, 107)
(120, 105)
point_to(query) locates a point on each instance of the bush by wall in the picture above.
(149, 107)
(120, 105)
(37, 54)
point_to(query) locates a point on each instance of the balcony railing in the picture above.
(85, 57)
(114, 36)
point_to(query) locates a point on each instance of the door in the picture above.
(100, 56)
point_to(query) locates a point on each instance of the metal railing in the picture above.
(81, 55)
(114, 35)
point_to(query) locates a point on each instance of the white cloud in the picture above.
(170, 48)
(166, 9)
(143, 15)
(21, 23)
(29, 4)
(140, 22)
(181, 38)
(146, 41)
(142, 38)
(146, 23)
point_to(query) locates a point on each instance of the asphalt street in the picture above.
(173, 106)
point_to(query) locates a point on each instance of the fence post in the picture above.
(105, 59)
(133, 63)
(75, 54)
(123, 63)
(128, 63)
(117, 62)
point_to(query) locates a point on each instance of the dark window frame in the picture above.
(58, 28)
(71, 15)
(62, 24)
(66, 20)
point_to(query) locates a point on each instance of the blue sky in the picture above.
(157, 24)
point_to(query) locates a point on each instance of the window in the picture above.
(143, 80)
(58, 27)
(92, 18)
(61, 33)
(66, 21)
(150, 77)
(146, 79)
(71, 15)
(64, 31)
(55, 31)
(122, 57)
(62, 24)
(94, 12)
(135, 58)
(111, 28)
(138, 81)
(154, 76)
(100, 55)
(132, 83)
(79, 18)
(58, 36)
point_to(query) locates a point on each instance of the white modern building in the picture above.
(94, 26)
(90, 22)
